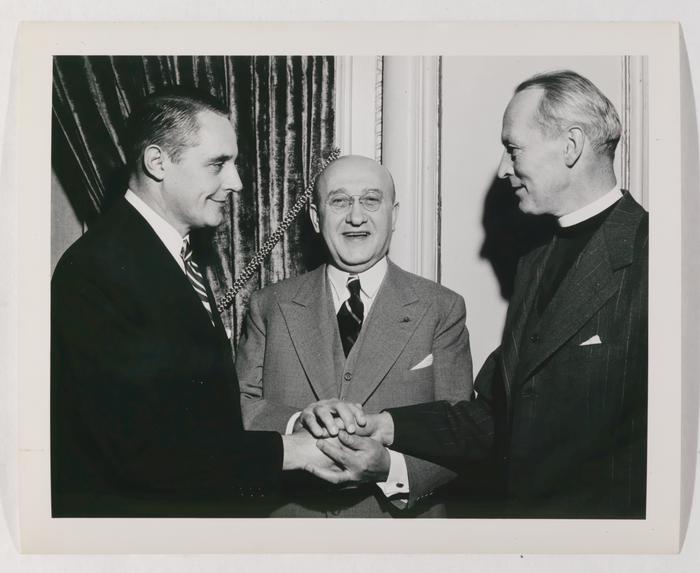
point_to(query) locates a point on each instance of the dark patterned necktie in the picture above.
(195, 276)
(351, 315)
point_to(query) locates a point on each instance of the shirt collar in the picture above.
(165, 231)
(370, 280)
(592, 209)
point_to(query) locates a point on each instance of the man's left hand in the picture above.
(360, 459)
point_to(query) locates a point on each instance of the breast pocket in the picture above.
(420, 384)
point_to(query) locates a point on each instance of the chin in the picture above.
(355, 267)
(526, 206)
(214, 219)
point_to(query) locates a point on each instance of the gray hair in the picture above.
(570, 99)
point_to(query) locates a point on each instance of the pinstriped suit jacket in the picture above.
(564, 421)
(288, 358)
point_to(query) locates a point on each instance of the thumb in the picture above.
(351, 440)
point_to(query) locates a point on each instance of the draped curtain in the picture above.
(282, 108)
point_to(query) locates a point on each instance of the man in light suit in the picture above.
(561, 406)
(145, 414)
(360, 330)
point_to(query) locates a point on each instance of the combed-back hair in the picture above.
(167, 118)
(570, 99)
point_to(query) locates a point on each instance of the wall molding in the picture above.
(634, 143)
(411, 151)
(357, 98)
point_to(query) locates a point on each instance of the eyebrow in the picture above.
(344, 190)
(223, 158)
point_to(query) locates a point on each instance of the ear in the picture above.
(394, 216)
(313, 215)
(154, 159)
(575, 141)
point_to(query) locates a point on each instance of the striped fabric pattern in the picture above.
(351, 315)
(195, 276)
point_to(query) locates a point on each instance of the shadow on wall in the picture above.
(509, 234)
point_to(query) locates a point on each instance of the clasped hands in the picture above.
(350, 444)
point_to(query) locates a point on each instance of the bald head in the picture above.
(353, 166)
(355, 211)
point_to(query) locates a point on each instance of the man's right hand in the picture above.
(326, 417)
(300, 451)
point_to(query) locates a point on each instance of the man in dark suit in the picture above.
(145, 416)
(561, 405)
(398, 339)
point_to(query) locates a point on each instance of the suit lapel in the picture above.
(311, 325)
(165, 284)
(394, 316)
(588, 285)
(519, 311)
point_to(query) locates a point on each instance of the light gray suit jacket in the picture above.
(290, 355)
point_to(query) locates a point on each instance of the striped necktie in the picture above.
(351, 315)
(195, 276)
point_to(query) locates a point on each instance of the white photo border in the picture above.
(660, 532)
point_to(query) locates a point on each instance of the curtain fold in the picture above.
(283, 111)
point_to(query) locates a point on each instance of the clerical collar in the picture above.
(167, 234)
(370, 280)
(592, 209)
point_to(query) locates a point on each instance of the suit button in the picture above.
(535, 338)
(348, 376)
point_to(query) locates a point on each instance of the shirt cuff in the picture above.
(290, 425)
(395, 488)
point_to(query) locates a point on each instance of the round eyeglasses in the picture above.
(342, 202)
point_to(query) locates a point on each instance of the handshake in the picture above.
(336, 441)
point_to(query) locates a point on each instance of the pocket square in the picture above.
(595, 339)
(427, 361)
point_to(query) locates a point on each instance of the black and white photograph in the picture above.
(337, 383)
(298, 287)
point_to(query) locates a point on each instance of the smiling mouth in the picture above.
(356, 234)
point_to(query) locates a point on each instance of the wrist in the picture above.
(291, 458)
(386, 428)
(385, 469)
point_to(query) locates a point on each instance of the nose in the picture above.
(232, 180)
(356, 214)
(505, 167)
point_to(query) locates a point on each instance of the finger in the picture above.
(325, 418)
(346, 412)
(352, 441)
(311, 424)
(365, 430)
(360, 415)
(334, 450)
(332, 476)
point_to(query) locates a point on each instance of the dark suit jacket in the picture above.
(290, 355)
(145, 416)
(563, 416)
